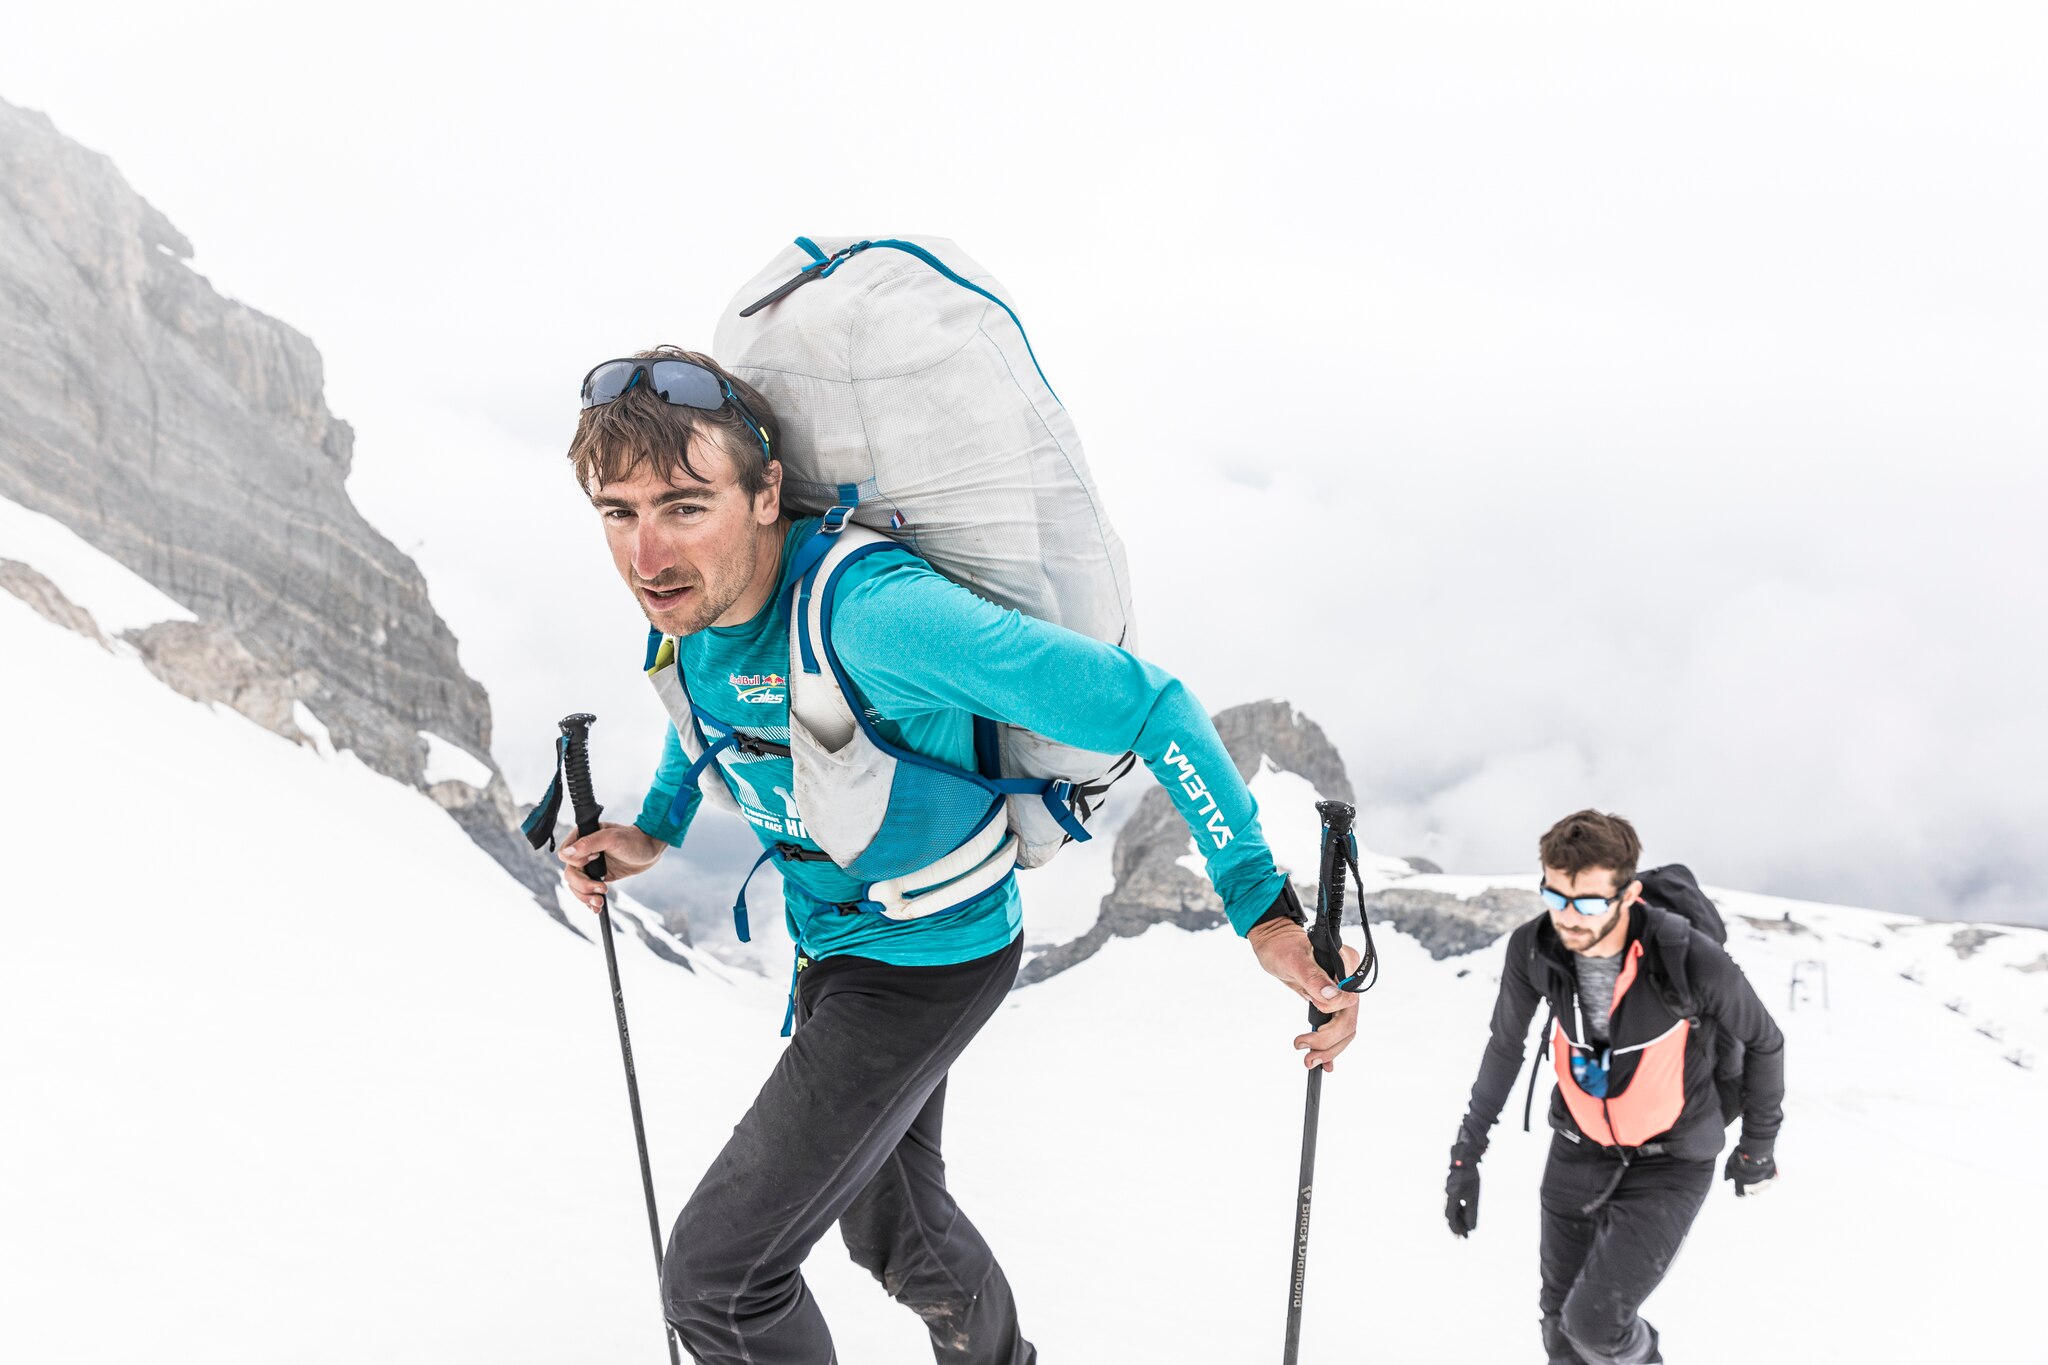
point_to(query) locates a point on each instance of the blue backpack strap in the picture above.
(788, 853)
(1058, 795)
(739, 904)
(984, 734)
(803, 569)
(789, 1014)
(988, 750)
(711, 750)
(1059, 804)
(695, 774)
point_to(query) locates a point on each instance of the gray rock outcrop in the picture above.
(1448, 925)
(1966, 942)
(1151, 885)
(47, 600)
(187, 437)
(204, 661)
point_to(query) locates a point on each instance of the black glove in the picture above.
(1461, 1193)
(1748, 1171)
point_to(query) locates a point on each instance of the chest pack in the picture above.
(1633, 1089)
(913, 414)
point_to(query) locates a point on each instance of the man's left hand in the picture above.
(1284, 951)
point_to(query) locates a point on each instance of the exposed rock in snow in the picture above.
(204, 661)
(1447, 925)
(1966, 942)
(48, 599)
(1784, 924)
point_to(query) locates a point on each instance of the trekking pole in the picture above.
(1325, 937)
(576, 770)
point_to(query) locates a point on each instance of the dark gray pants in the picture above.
(847, 1130)
(1599, 1267)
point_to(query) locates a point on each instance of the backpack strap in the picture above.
(664, 670)
(1536, 1066)
(808, 570)
(818, 693)
(788, 853)
(1671, 933)
(1726, 1058)
(824, 707)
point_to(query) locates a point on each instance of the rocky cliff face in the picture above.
(187, 437)
(1152, 887)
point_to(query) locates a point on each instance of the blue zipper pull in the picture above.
(814, 271)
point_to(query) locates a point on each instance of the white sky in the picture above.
(1566, 405)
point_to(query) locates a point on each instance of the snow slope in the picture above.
(293, 1072)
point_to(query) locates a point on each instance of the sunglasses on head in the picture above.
(680, 383)
(1589, 906)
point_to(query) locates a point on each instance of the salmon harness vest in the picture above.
(1640, 1077)
(1644, 1090)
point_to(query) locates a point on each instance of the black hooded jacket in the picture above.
(1688, 976)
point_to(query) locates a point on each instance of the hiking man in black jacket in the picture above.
(1645, 1008)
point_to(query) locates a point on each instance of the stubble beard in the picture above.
(1591, 936)
(714, 596)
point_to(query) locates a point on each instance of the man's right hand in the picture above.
(1283, 950)
(1751, 1174)
(1461, 1203)
(628, 851)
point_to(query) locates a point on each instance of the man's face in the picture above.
(689, 550)
(1581, 932)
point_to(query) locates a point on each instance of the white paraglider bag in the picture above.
(899, 371)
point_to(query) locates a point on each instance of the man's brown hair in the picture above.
(1589, 838)
(640, 428)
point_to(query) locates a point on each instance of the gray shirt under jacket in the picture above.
(1597, 976)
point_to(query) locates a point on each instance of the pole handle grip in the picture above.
(1325, 936)
(576, 772)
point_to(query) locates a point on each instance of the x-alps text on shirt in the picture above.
(760, 689)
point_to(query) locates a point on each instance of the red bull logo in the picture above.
(760, 689)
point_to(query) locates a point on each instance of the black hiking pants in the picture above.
(1598, 1267)
(847, 1130)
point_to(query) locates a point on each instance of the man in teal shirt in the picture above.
(674, 454)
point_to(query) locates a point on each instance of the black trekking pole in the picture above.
(576, 770)
(1326, 938)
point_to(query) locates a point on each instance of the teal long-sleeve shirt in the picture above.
(928, 656)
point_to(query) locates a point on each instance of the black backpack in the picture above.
(1673, 887)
